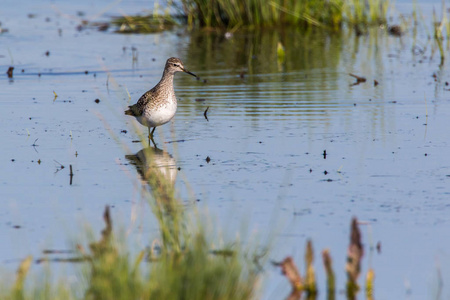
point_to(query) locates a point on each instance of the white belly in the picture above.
(158, 115)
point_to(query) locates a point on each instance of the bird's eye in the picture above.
(175, 65)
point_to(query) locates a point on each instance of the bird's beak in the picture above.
(190, 73)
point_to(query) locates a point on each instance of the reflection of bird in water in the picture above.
(153, 162)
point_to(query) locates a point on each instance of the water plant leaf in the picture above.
(310, 277)
(290, 270)
(21, 273)
(355, 253)
(331, 285)
(369, 284)
(281, 54)
(359, 79)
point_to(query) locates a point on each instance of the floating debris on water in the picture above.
(70, 174)
(205, 114)
(359, 79)
(10, 72)
(395, 30)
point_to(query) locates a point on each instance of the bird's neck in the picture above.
(167, 77)
(166, 81)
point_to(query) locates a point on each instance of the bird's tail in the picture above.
(129, 112)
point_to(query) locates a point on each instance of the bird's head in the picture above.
(174, 65)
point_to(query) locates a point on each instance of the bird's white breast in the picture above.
(160, 113)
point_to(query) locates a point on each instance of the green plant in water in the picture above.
(361, 14)
(438, 33)
(144, 24)
(154, 22)
(196, 273)
(111, 275)
(233, 14)
(305, 13)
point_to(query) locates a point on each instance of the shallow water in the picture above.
(266, 134)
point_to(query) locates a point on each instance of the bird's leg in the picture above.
(150, 133)
(150, 136)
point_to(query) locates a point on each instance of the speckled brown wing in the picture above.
(137, 109)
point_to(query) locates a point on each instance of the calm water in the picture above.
(266, 133)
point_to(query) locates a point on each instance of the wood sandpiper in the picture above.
(158, 105)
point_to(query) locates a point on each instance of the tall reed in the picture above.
(262, 13)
